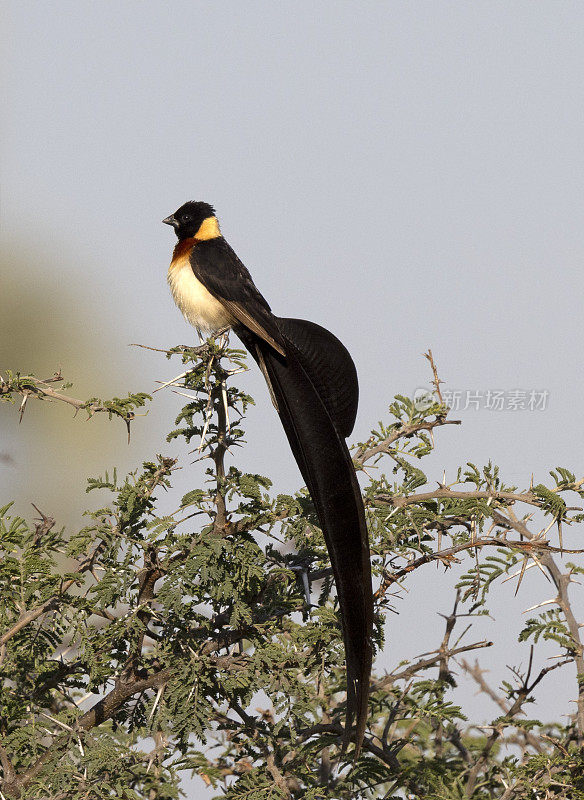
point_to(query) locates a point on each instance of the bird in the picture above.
(312, 382)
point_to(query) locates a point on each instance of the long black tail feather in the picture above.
(315, 391)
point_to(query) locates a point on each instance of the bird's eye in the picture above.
(186, 218)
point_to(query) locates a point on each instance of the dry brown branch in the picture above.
(8, 770)
(365, 453)
(279, 779)
(561, 582)
(425, 663)
(444, 651)
(476, 674)
(522, 695)
(436, 382)
(40, 388)
(444, 493)
(147, 578)
(401, 430)
(101, 711)
(388, 758)
(447, 556)
(34, 613)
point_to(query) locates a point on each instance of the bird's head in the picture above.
(194, 218)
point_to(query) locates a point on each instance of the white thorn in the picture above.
(515, 574)
(543, 531)
(538, 564)
(58, 722)
(539, 605)
(158, 696)
(224, 396)
(183, 394)
(204, 433)
(178, 377)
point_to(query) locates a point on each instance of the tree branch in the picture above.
(444, 493)
(365, 453)
(425, 663)
(561, 582)
(476, 673)
(522, 695)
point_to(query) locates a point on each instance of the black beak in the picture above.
(171, 221)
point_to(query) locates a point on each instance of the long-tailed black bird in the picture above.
(313, 384)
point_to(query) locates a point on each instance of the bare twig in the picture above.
(279, 779)
(365, 453)
(561, 582)
(444, 493)
(476, 673)
(39, 388)
(448, 555)
(522, 695)
(436, 382)
(425, 663)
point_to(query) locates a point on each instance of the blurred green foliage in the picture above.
(49, 319)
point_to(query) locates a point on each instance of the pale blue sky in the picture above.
(408, 174)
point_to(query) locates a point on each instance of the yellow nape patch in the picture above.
(209, 229)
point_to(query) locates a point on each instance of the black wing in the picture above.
(315, 391)
(220, 271)
(330, 368)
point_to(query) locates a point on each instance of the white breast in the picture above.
(197, 304)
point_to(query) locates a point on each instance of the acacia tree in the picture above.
(144, 659)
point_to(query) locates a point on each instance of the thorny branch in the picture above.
(405, 430)
(477, 674)
(522, 694)
(365, 453)
(422, 664)
(218, 456)
(444, 493)
(561, 581)
(28, 386)
(436, 382)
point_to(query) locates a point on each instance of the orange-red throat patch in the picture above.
(209, 229)
(183, 249)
